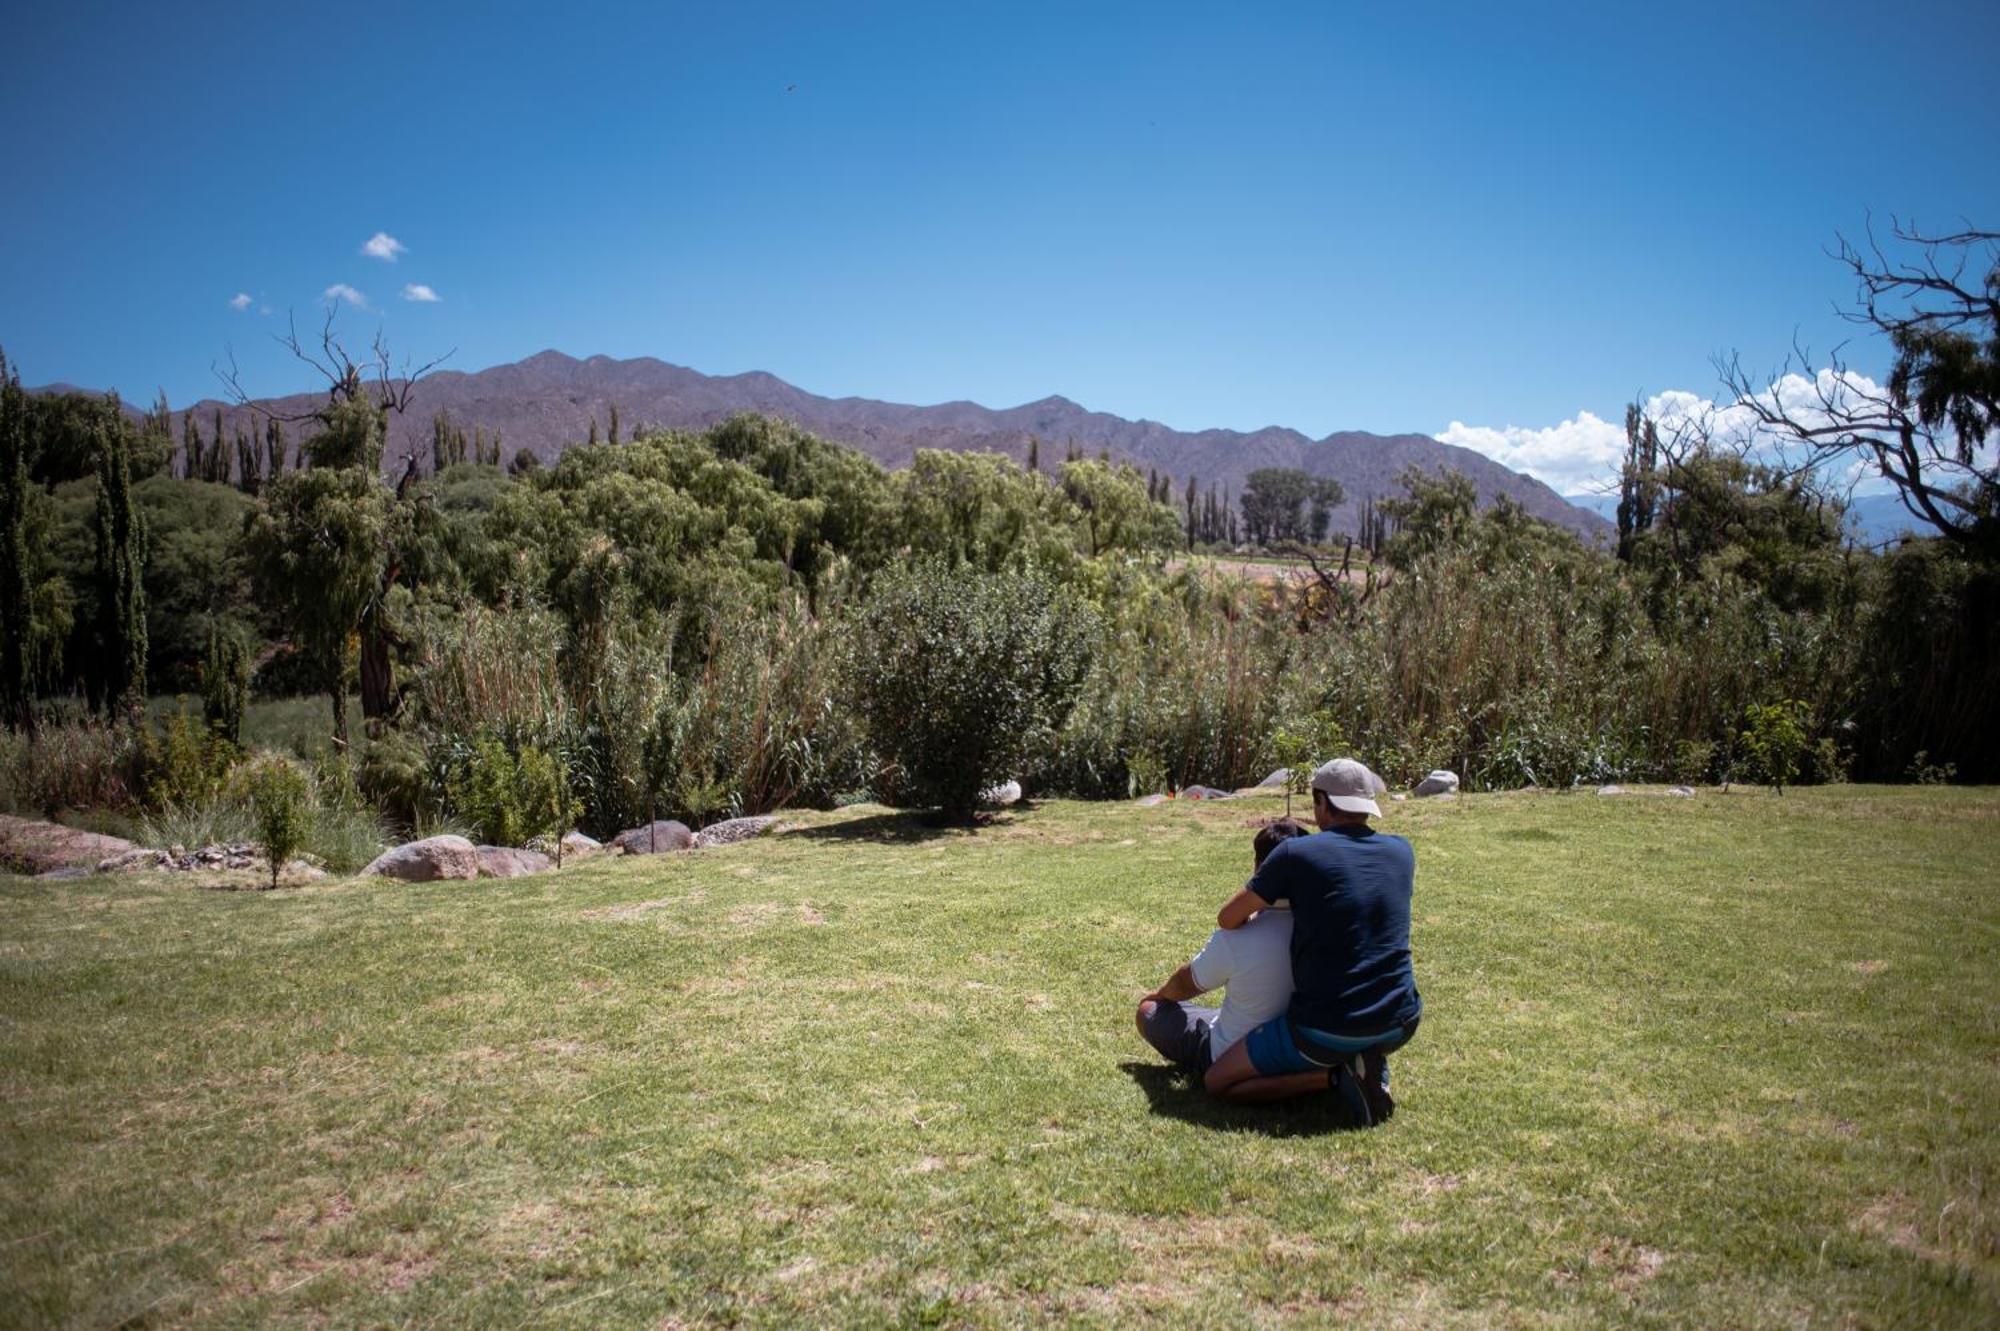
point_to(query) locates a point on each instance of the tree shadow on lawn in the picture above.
(1175, 1092)
(897, 828)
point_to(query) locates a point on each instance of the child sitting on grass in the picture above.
(1253, 962)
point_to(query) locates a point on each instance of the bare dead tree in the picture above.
(1930, 429)
(386, 383)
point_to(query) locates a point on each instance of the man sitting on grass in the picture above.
(1255, 962)
(1354, 997)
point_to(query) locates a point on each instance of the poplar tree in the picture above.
(1034, 453)
(614, 422)
(121, 570)
(16, 611)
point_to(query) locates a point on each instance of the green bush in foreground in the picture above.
(957, 672)
(280, 801)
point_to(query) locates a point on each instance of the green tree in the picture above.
(17, 624)
(1774, 737)
(957, 673)
(281, 804)
(1928, 430)
(316, 555)
(121, 571)
(1435, 512)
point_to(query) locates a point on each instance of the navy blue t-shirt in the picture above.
(1350, 893)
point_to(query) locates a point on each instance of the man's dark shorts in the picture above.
(1180, 1032)
(1279, 1047)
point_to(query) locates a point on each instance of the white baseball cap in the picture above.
(1350, 787)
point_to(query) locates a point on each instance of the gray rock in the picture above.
(1611, 790)
(575, 845)
(1682, 792)
(434, 859)
(132, 861)
(1399, 797)
(732, 830)
(1277, 779)
(1206, 793)
(505, 862)
(657, 837)
(1439, 782)
(1148, 801)
(1007, 792)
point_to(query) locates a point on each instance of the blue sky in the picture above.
(1328, 216)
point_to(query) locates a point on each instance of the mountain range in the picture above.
(547, 402)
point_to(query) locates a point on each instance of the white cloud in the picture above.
(240, 301)
(1581, 456)
(420, 293)
(342, 291)
(382, 245)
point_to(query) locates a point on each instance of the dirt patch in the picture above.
(1631, 1264)
(29, 845)
(631, 910)
(1869, 967)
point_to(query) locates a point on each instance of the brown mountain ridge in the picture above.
(547, 402)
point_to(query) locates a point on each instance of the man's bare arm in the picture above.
(1236, 911)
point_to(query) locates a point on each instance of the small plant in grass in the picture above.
(1146, 773)
(1924, 772)
(281, 803)
(509, 798)
(1693, 760)
(1774, 739)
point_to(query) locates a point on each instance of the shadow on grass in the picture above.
(1175, 1092)
(899, 828)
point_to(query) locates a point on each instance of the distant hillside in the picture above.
(547, 402)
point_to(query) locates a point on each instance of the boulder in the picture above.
(1439, 782)
(1206, 793)
(1682, 792)
(505, 862)
(1007, 792)
(431, 860)
(30, 845)
(1277, 779)
(732, 830)
(132, 861)
(1611, 790)
(575, 845)
(654, 838)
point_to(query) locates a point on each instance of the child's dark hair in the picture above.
(1270, 834)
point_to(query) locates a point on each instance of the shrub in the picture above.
(65, 765)
(956, 673)
(1774, 738)
(345, 837)
(185, 764)
(214, 821)
(509, 797)
(280, 802)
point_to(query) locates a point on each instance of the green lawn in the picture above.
(1730, 1061)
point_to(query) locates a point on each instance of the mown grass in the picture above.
(1728, 1061)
